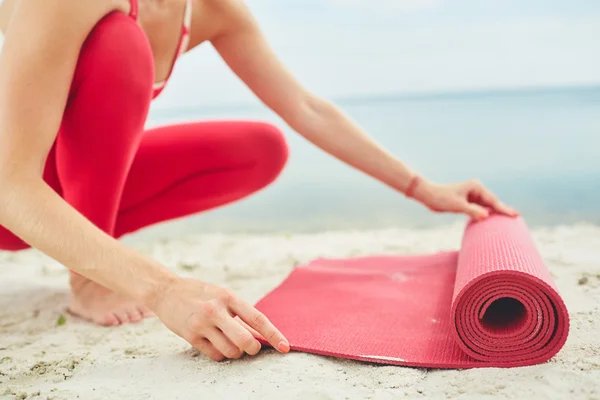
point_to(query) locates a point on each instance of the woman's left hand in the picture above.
(471, 198)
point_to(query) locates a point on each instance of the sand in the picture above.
(41, 359)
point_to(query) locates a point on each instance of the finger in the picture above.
(475, 211)
(502, 208)
(261, 324)
(223, 344)
(249, 328)
(485, 197)
(208, 349)
(240, 336)
(489, 199)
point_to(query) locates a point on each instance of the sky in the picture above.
(341, 48)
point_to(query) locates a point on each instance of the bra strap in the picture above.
(134, 9)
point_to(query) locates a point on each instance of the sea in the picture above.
(538, 149)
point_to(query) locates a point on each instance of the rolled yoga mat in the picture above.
(493, 303)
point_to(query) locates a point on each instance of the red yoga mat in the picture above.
(493, 303)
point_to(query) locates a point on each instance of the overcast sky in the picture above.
(353, 47)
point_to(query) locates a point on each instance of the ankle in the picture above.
(76, 280)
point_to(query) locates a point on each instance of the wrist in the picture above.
(410, 188)
(418, 189)
(154, 289)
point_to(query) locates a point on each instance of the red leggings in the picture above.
(123, 178)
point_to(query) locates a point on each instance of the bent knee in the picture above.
(116, 58)
(10, 242)
(272, 152)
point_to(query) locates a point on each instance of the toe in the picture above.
(122, 316)
(106, 320)
(134, 315)
(146, 312)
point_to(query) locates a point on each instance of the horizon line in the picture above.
(404, 96)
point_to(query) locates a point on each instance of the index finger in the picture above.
(258, 321)
(490, 199)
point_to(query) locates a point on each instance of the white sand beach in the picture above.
(40, 359)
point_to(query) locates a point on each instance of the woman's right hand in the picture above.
(205, 316)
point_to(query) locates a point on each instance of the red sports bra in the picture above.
(183, 40)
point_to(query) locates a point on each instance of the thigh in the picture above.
(102, 123)
(173, 154)
(104, 119)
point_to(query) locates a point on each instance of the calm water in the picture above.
(538, 150)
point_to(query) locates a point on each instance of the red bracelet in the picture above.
(414, 182)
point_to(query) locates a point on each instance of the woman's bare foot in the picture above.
(97, 304)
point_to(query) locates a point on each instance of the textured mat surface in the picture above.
(493, 303)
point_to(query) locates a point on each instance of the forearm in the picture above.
(35, 213)
(327, 127)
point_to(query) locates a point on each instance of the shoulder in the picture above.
(75, 12)
(57, 26)
(222, 16)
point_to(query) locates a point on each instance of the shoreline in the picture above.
(204, 225)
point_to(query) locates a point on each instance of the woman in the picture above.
(78, 171)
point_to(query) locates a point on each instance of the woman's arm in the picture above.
(245, 49)
(36, 67)
(247, 52)
(38, 60)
